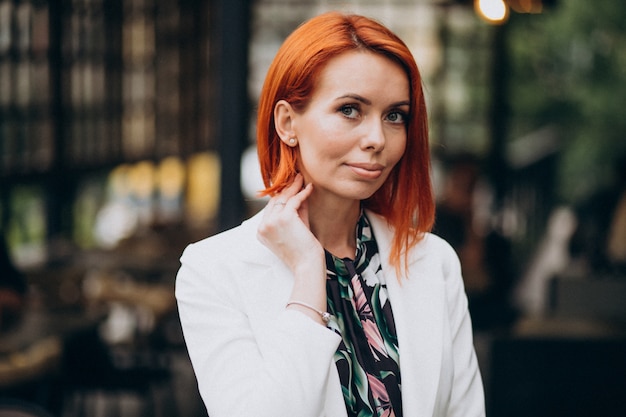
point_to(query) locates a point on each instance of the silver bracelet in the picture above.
(324, 314)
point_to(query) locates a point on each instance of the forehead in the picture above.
(363, 72)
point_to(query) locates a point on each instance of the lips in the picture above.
(367, 170)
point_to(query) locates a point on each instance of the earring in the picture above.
(293, 141)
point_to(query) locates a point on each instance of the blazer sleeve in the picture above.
(467, 396)
(238, 376)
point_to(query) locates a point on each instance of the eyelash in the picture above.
(401, 114)
(343, 109)
(354, 107)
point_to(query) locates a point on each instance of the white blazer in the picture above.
(254, 358)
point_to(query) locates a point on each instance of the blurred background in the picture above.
(127, 132)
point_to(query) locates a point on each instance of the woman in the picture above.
(334, 300)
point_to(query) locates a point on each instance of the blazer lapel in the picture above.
(267, 293)
(418, 307)
(268, 285)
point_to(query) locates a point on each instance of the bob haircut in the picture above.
(406, 199)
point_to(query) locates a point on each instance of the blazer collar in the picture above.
(253, 251)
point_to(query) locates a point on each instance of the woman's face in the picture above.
(353, 131)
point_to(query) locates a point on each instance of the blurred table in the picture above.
(33, 348)
(597, 297)
(557, 366)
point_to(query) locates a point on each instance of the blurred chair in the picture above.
(98, 377)
(16, 408)
(107, 366)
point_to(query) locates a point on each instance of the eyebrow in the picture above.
(369, 102)
(356, 97)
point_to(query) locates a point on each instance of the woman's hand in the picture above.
(285, 228)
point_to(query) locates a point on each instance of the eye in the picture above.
(397, 117)
(349, 110)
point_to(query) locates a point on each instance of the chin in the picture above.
(362, 194)
(349, 189)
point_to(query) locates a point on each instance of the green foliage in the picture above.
(27, 228)
(568, 68)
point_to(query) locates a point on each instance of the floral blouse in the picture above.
(367, 358)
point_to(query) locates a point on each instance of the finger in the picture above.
(301, 196)
(296, 201)
(303, 210)
(293, 188)
(282, 198)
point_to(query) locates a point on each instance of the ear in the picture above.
(284, 121)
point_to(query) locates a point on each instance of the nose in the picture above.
(373, 137)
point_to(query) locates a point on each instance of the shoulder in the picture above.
(221, 241)
(238, 243)
(437, 246)
(437, 255)
(218, 265)
(432, 257)
(385, 231)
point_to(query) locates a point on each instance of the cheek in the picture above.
(398, 150)
(326, 135)
(320, 153)
(322, 143)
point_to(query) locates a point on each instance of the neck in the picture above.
(334, 225)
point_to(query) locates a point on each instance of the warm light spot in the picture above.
(203, 187)
(493, 11)
(171, 177)
(142, 179)
(526, 6)
(118, 181)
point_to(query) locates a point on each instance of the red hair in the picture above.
(406, 199)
